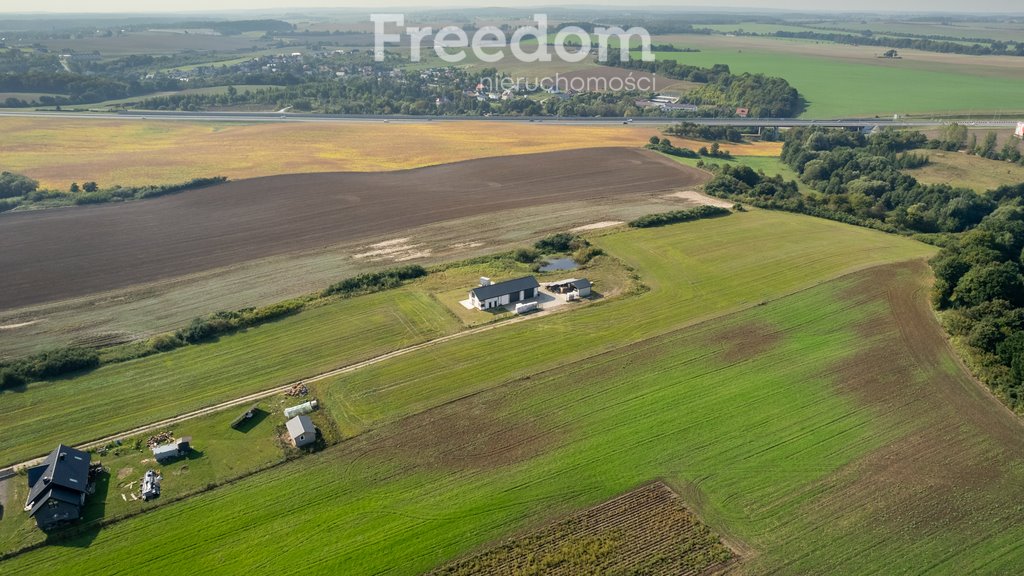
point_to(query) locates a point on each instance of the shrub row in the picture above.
(45, 365)
(665, 146)
(375, 281)
(201, 329)
(120, 193)
(698, 213)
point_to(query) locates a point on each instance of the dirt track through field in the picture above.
(57, 254)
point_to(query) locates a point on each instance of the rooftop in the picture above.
(506, 287)
(64, 472)
(300, 425)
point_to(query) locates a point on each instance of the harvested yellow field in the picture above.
(58, 151)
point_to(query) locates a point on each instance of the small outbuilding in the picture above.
(1019, 132)
(57, 487)
(488, 296)
(167, 452)
(301, 430)
(579, 287)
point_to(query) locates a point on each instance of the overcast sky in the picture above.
(80, 6)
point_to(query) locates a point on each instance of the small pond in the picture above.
(553, 264)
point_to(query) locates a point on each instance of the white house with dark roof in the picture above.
(488, 296)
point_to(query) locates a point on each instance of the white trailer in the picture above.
(524, 307)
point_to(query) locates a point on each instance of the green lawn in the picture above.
(220, 453)
(959, 169)
(122, 396)
(770, 165)
(837, 88)
(793, 427)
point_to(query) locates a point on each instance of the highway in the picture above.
(659, 121)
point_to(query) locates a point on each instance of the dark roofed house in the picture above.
(488, 296)
(57, 487)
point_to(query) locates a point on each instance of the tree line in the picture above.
(17, 190)
(994, 47)
(763, 96)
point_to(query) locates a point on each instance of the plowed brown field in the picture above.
(56, 254)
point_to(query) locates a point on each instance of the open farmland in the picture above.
(701, 269)
(843, 81)
(57, 254)
(172, 383)
(139, 152)
(828, 430)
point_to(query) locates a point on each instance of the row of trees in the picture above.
(705, 132)
(676, 216)
(17, 190)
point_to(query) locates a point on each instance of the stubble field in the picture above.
(139, 152)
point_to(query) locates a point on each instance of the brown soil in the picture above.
(56, 254)
(467, 435)
(646, 531)
(746, 341)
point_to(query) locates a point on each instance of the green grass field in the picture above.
(220, 453)
(859, 84)
(122, 396)
(828, 430)
(959, 169)
(770, 165)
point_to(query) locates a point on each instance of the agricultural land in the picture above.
(801, 445)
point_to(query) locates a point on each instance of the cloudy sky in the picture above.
(79, 6)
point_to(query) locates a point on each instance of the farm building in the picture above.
(578, 286)
(301, 430)
(167, 452)
(1019, 132)
(488, 295)
(57, 487)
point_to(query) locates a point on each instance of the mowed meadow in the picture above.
(816, 419)
(147, 151)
